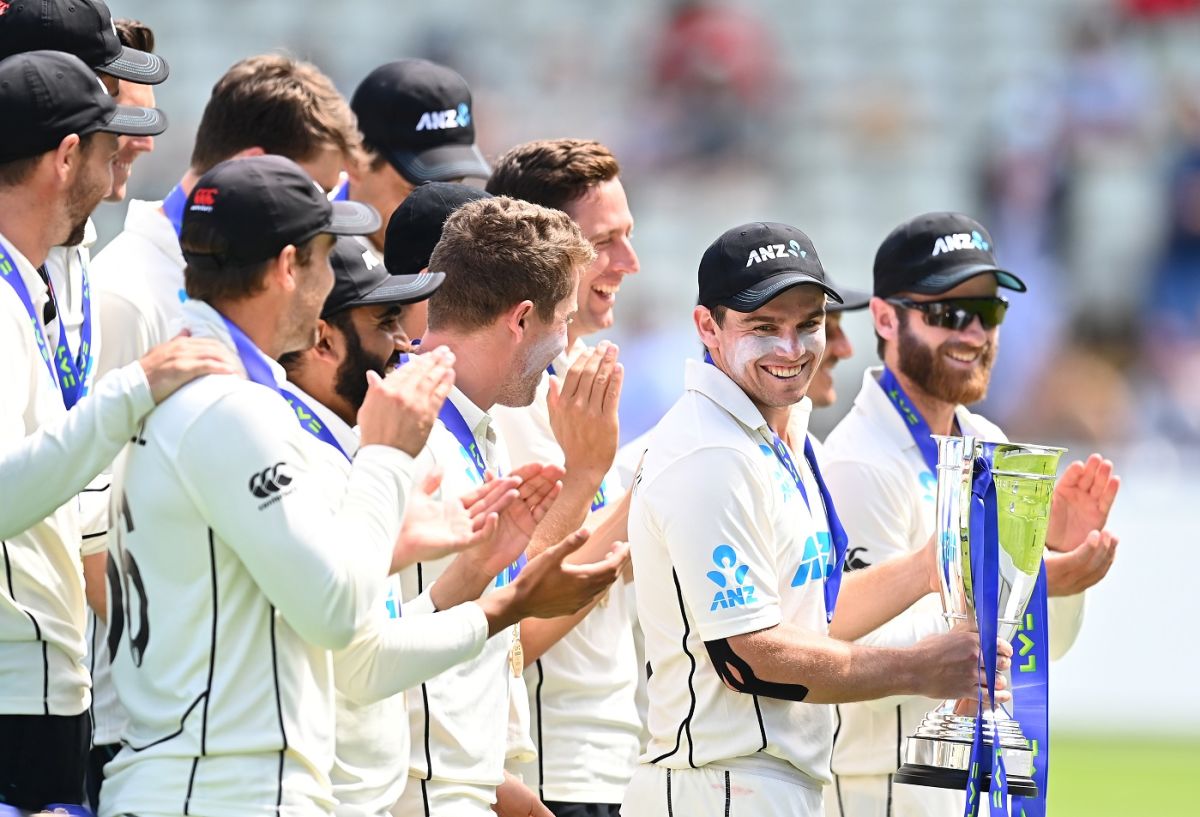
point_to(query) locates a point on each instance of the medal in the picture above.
(516, 656)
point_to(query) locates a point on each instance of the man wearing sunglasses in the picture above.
(937, 311)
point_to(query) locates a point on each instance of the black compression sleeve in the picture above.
(738, 675)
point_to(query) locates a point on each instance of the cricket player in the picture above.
(55, 167)
(937, 312)
(738, 553)
(511, 271)
(358, 333)
(585, 722)
(232, 573)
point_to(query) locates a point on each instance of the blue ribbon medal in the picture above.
(71, 373)
(258, 370)
(453, 420)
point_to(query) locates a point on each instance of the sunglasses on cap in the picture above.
(957, 313)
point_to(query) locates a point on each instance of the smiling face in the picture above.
(772, 353)
(603, 215)
(131, 147)
(541, 343)
(952, 366)
(837, 348)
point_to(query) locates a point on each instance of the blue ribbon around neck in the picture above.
(837, 533)
(172, 207)
(259, 371)
(70, 373)
(1031, 681)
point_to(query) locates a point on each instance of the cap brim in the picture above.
(131, 120)
(403, 289)
(852, 300)
(441, 164)
(137, 66)
(751, 298)
(943, 281)
(353, 218)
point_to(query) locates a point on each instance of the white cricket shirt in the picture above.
(583, 714)
(460, 719)
(885, 496)
(724, 544)
(137, 284)
(42, 621)
(388, 655)
(233, 573)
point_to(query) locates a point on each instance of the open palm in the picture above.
(1082, 500)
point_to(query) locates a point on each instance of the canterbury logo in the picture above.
(270, 480)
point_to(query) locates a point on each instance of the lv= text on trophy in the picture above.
(993, 506)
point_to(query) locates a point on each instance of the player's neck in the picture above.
(476, 373)
(778, 419)
(25, 224)
(937, 413)
(259, 323)
(321, 387)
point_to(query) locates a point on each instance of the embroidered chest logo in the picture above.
(730, 579)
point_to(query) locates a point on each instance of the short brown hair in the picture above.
(282, 105)
(135, 34)
(233, 283)
(497, 252)
(552, 172)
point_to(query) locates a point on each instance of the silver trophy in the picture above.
(939, 754)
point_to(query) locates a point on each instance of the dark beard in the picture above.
(927, 368)
(351, 380)
(77, 234)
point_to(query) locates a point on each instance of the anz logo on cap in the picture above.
(458, 117)
(769, 251)
(960, 241)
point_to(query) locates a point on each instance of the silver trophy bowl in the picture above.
(939, 753)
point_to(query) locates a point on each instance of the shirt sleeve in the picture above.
(519, 746)
(321, 564)
(40, 472)
(711, 509)
(391, 655)
(1065, 614)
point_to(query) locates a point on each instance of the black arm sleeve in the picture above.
(738, 675)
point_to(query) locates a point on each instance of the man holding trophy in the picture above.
(739, 553)
(936, 312)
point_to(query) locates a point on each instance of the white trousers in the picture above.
(879, 796)
(655, 791)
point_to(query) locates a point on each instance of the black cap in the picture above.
(418, 115)
(361, 279)
(80, 27)
(852, 299)
(247, 210)
(49, 95)
(936, 252)
(750, 265)
(416, 226)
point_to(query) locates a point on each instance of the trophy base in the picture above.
(939, 754)
(915, 774)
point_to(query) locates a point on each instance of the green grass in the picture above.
(1138, 776)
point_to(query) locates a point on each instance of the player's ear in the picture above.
(887, 322)
(706, 326)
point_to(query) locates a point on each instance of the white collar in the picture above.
(478, 420)
(707, 379)
(145, 218)
(872, 401)
(346, 436)
(38, 293)
(205, 322)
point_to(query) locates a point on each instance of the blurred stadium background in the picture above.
(1070, 127)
